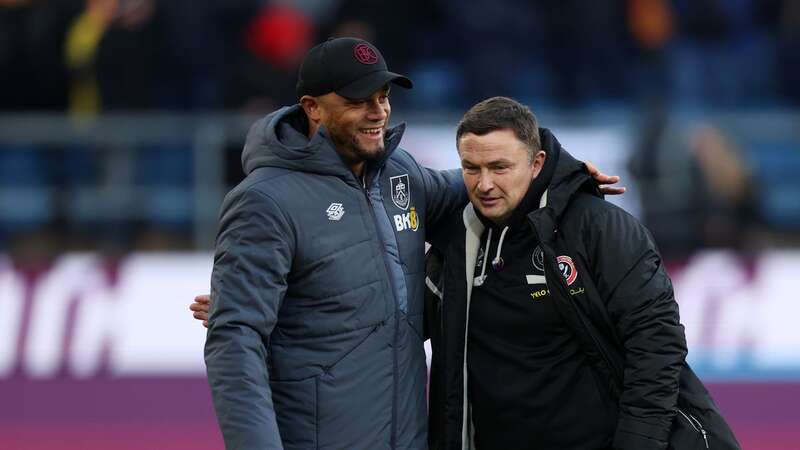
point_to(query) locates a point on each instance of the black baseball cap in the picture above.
(353, 68)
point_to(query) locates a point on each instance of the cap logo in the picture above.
(365, 54)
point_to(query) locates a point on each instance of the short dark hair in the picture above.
(501, 113)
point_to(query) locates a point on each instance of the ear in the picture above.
(312, 108)
(538, 162)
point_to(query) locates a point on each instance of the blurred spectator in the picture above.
(696, 188)
(651, 25)
(789, 49)
(413, 32)
(264, 68)
(201, 40)
(32, 73)
(80, 53)
(499, 46)
(708, 62)
(130, 59)
(585, 43)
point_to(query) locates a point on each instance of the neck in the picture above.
(358, 169)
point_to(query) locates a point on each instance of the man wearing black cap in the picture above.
(315, 334)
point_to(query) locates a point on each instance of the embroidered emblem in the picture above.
(365, 54)
(538, 259)
(401, 193)
(335, 211)
(567, 268)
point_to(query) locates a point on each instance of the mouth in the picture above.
(375, 133)
(489, 201)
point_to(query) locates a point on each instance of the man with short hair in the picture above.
(315, 333)
(559, 328)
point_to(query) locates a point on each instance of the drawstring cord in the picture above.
(479, 280)
(497, 262)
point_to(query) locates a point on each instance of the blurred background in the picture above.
(122, 124)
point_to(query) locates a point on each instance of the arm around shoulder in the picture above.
(445, 195)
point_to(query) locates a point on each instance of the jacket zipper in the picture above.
(395, 393)
(699, 427)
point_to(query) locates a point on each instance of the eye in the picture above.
(470, 170)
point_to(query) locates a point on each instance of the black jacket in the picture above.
(621, 289)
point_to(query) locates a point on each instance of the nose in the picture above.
(376, 110)
(485, 182)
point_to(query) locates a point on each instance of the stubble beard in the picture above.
(348, 147)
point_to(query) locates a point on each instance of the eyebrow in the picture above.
(495, 163)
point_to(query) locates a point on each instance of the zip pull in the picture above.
(699, 427)
(702, 430)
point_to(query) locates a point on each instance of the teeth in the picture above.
(371, 130)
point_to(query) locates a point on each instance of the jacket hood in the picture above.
(280, 140)
(569, 177)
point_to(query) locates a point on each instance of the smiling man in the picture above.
(315, 335)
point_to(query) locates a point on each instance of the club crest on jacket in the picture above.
(567, 268)
(401, 193)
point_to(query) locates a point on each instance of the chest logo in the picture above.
(538, 259)
(567, 268)
(401, 192)
(335, 211)
(538, 263)
(407, 221)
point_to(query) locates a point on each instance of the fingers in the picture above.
(603, 180)
(608, 190)
(606, 179)
(199, 307)
(593, 170)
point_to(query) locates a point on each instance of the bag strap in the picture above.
(607, 359)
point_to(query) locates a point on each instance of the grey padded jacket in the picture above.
(316, 330)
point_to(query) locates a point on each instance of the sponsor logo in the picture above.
(401, 193)
(536, 295)
(567, 268)
(81, 316)
(335, 211)
(407, 221)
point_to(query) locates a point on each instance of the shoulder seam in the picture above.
(251, 189)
